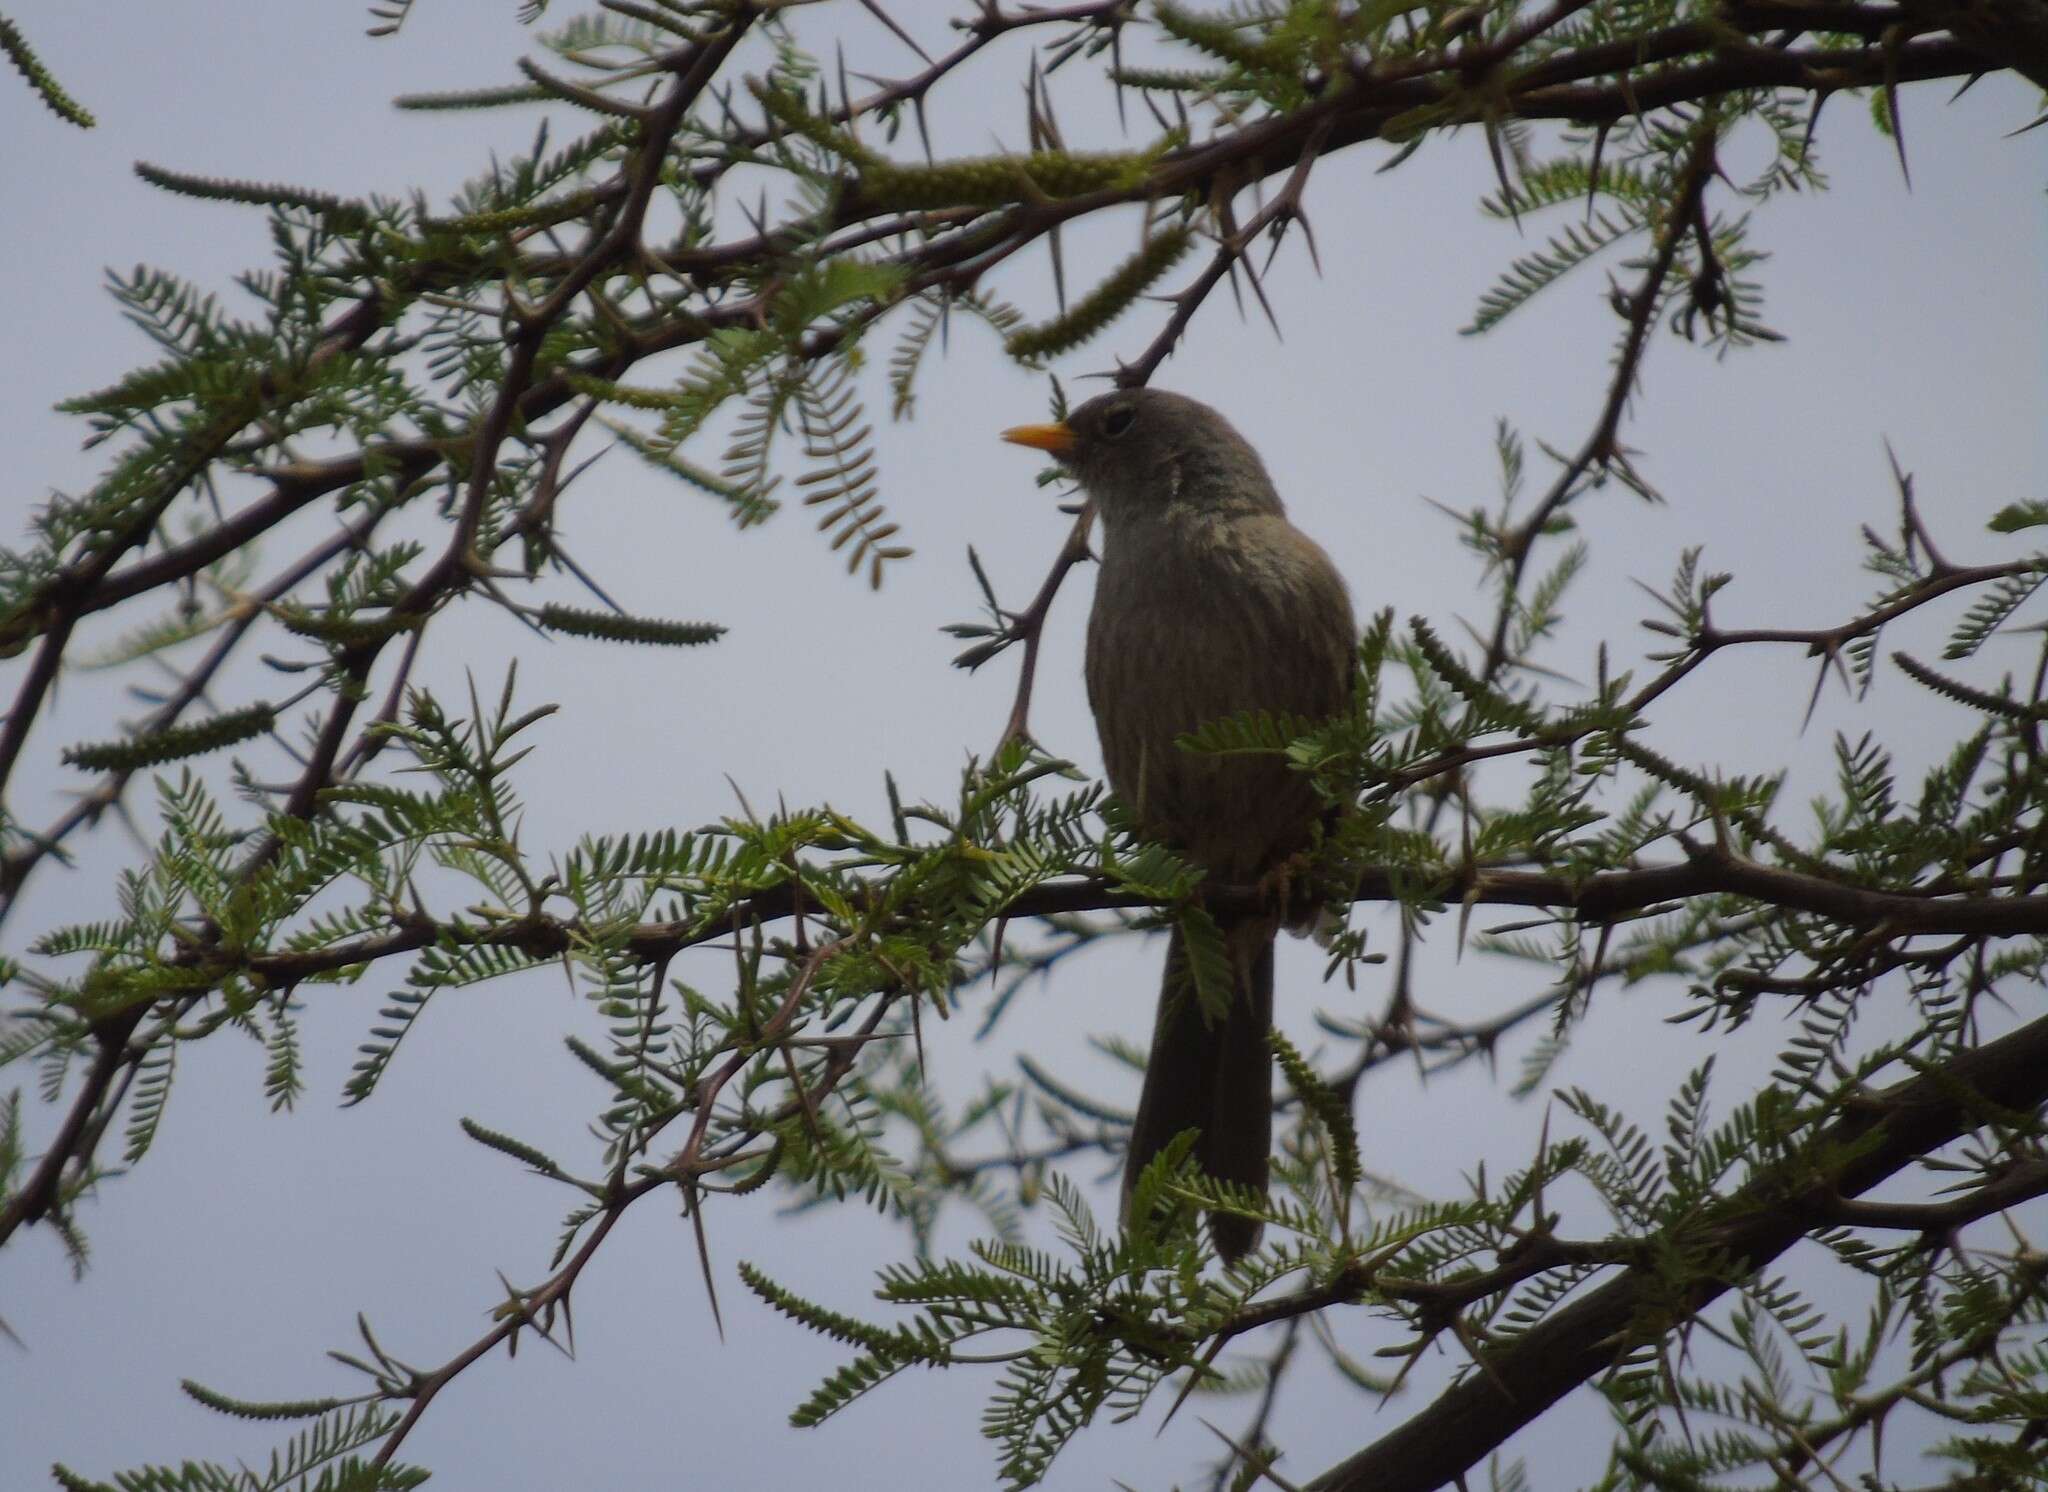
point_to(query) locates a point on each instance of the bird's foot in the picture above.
(1288, 887)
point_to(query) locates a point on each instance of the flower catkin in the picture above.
(158, 747)
(1104, 303)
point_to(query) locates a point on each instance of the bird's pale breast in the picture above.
(1199, 620)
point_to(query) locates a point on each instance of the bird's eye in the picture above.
(1119, 420)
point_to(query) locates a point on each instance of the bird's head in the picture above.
(1140, 451)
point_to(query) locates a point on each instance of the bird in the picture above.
(1208, 602)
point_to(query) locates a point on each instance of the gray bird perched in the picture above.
(1209, 602)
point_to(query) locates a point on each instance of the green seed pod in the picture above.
(788, 110)
(170, 745)
(614, 628)
(342, 214)
(1102, 305)
(996, 181)
(1219, 38)
(530, 215)
(349, 631)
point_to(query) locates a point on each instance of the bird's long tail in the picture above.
(1213, 1075)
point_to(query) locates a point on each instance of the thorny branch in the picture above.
(1028, 626)
(1713, 869)
(1585, 1337)
(1240, 155)
(455, 569)
(539, 1307)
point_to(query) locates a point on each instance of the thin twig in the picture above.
(1029, 625)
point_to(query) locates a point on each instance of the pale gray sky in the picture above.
(244, 1246)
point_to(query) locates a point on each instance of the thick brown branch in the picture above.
(2016, 31)
(1586, 1337)
(2022, 1183)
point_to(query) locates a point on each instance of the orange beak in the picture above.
(1058, 439)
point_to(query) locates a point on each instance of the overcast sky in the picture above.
(244, 1246)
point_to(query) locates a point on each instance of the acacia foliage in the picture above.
(455, 359)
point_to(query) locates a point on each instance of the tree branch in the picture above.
(1587, 1336)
